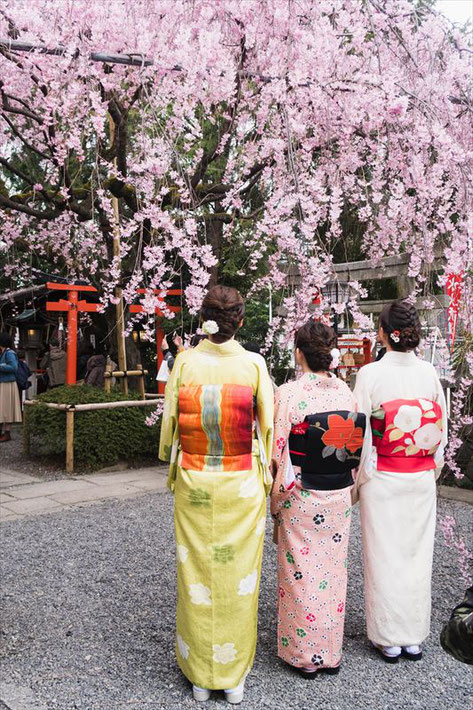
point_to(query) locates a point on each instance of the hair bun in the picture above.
(226, 307)
(316, 341)
(409, 338)
(401, 317)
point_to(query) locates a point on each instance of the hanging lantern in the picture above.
(33, 337)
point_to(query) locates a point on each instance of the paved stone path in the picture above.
(23, 495)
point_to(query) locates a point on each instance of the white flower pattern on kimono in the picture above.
(224, 653)
(260, 526)
(200, 594)
(427, 436)
(249, 488)
(408, 418)
(183, 647)
(182, 553)
(247, 584)
(426, 404)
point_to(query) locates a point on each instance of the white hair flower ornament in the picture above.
(335, 353)
(210, 327)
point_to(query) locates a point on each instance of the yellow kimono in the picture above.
(217, 434)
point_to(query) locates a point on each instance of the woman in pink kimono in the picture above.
(317, 442)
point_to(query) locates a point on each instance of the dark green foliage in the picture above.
(101, 437)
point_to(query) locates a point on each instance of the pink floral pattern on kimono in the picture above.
(313, 531)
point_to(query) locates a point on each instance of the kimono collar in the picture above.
(320, 380)
(392, 357)
(230, 347)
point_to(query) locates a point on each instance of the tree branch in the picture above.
(8, 203)
(24, 141)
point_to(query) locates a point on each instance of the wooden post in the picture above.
(141, 382)
(70, 441)
(120, 320)
(108, 381)
(26, 432)
(159, 352)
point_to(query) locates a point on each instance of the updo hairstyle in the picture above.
(226, 307)
(401, 316)
(316, 340)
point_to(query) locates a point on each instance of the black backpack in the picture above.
(22, 375)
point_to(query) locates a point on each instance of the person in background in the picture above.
(23, 374)
(404, 403)
(179, 344)
(54, 362)
(167, 354)
(196, 339)
(86, 350)
(318, 438)
(216, 432)
(10, 407)
(95, 374)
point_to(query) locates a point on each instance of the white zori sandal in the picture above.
(200, 694)
(390, 654)
(412, 653)
(235, 695)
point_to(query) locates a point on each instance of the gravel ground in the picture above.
(88, 621)
(13, 458)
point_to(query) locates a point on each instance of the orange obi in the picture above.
(407, 434)
(216, 427)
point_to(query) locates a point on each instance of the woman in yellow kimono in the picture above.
(217, 435)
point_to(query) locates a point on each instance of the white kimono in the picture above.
(398, 509)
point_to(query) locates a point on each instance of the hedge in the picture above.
(101, 437)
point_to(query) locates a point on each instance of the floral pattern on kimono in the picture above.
(313, 530)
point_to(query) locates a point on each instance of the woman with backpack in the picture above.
(10, 408)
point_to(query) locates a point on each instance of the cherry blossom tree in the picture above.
(273, 123)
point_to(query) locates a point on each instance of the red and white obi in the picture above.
(407, 434)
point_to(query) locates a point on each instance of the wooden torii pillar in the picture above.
(72, 306)
(159, 317)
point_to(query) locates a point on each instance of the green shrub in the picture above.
(101, 437)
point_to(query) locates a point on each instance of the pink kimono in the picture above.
(313, 528)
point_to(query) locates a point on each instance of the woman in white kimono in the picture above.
(403, 399)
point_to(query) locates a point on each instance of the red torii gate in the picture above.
(159, 316)
(73, 306)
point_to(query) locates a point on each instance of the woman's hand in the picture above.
(177, 340)
(164, 344)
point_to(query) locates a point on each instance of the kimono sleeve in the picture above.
(284, 476)
(265, 407)
(282, 423)
(364, 404)
(169, 438)
(440, 399)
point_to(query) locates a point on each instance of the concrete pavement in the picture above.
(24, 495)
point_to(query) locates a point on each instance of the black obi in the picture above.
(327, 446)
